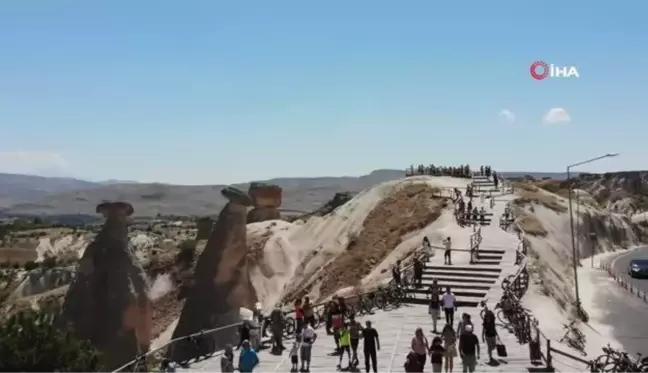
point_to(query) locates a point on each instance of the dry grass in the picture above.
(530, 194)
(531, 224)
(407, 210)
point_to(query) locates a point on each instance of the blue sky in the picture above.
(223, 91)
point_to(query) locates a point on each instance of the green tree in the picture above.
(31, 342)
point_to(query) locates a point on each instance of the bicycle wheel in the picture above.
(379, 301)
(289, 327)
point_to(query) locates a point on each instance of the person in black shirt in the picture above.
(469, 349)
(436, 355)
(489, 334)
(418, 272)
(371, 344)
(396, 272)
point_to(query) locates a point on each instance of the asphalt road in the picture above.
(620, 265)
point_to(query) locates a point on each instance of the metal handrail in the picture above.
(172, 341)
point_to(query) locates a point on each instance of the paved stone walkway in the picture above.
(396, 329)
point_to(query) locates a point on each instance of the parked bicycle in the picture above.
(574, 338)
(203, 347)
(616, 361)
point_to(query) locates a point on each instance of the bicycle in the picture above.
(364, 306)
(574, 338)
(203, 347)
(140, 364)
(616, 361)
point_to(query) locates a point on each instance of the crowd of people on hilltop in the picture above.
(432, 170)
(463, 171)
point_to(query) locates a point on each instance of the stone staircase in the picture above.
(470, 283)
(482, 184)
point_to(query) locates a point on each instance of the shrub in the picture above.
(187, 252)
(30, 265)
(31, 342)
(49, 262)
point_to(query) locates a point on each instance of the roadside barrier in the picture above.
(625, 281)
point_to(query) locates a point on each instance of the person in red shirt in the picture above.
(299, 316)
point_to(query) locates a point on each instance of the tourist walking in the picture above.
(489, 334)
(308, 338)
(248, 359)
(449, 305)
(309, 313)
(435, 304)
(294, 354)
(371, 345)
(299, 316)
(227, 360)
(355, 332)
(420, 346)
(396, 272)
(277, 320)
(337, 322)
(345, 346)
(436, 355)
(447, 258)
(469, 349)
(418, 272)
(465, 321)
(450, 345)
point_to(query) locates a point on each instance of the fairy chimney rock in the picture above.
(266, 199)
(221, 280)
(108, 302)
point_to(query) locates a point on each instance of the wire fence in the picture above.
(625, 281)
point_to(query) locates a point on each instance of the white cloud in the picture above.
(557, 115)
(34, 163)
(507, 115)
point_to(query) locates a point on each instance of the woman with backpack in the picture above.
(450, 345)
(420, 346)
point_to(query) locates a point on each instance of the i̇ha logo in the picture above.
(541, 70)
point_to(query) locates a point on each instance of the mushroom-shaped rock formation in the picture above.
(204, 227)
(266, 199)
(108, 302)
(221, 281)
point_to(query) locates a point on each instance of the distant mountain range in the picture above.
(22, 195)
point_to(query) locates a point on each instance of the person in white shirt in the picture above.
(449, 306)
(308, 337)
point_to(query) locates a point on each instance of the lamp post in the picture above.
(571, 222)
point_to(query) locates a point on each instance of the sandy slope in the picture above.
(294, 252)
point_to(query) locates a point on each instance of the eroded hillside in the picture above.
(544, 218)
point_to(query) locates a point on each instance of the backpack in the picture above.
(412, 363)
